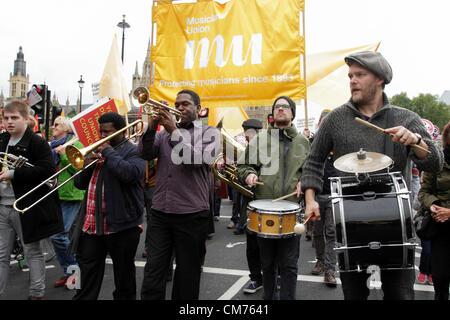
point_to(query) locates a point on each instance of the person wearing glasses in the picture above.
(275, 157)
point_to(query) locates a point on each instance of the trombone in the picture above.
(76, 158)
(142, 95)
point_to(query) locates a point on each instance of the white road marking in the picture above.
(231, 245)
(235, 288)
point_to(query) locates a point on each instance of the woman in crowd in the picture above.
(69, 195)
(439, 204)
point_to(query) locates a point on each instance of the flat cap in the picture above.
(252, 124)
(372, 61)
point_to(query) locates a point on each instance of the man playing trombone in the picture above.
(111, 215)
(180, 207)
(41, 221)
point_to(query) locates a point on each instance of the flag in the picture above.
(232, 118)
(112, 83)
(320, 65)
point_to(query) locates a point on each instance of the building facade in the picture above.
(19, 80)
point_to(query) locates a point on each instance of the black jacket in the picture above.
(44, 219)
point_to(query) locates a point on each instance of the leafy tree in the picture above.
(426, 106)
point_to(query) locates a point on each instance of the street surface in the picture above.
(225, 273)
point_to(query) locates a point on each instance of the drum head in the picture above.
(279, 206)
(372, 162)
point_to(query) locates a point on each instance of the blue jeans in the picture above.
(61, 240)
(10, 225)
(425, 257)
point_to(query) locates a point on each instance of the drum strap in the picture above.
(287, 144)
(388, 144)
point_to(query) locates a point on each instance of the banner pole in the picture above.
(304, 72)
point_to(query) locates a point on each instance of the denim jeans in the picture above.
(425, 257)
(10, 226)
(283, 253)
(61, 240)
(237, 203)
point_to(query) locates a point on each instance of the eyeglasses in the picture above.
(282, 106)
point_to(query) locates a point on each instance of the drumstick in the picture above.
(300, 227)
(370, 125)
(285, 197)
(259, 183)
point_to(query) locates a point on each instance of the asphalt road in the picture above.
(225, 273)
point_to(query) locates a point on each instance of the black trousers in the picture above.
(253, 257)
(186, 233)
(440, 265)
(396, 284)
(91, 255)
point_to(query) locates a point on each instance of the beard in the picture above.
(366, 95)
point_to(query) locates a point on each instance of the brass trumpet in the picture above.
(76, 158)
(142, 95)
(13, 162)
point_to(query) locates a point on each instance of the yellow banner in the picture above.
(243, 52)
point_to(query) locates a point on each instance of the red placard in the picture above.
(85, 124)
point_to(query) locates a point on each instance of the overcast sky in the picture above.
(66, 39)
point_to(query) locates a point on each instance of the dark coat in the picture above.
(44, 219)
(123, 172)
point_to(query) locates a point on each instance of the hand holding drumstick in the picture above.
(252, 180)
(399, 134)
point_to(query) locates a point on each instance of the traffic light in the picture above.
(270, 120)
(39, 107)
(56, 112)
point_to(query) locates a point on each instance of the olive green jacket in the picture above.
(426, 196)
(276, 157)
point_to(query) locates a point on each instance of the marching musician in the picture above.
(369, 72)
(180, 206)
(111, 215)
(41, 221)
(287, 150)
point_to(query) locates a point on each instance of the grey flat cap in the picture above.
(372, 61)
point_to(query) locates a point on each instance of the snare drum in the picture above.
(373, 222)
(272, 220)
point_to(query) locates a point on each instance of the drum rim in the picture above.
(275, 212)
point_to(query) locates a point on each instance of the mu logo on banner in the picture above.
(237, 48)
(240, 52)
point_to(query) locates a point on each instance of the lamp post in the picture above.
(81, 85)
(123, 24)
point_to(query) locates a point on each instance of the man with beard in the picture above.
(369, 72)
(180, 205)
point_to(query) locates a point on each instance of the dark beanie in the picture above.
(252, 124)
(291, 104)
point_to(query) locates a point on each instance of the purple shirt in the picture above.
(183, 172)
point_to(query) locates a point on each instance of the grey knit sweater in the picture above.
(340, 133)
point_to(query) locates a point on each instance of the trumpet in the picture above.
(142, 95)
(76, 158)
(13, 162)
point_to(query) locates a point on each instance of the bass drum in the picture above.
(373, 222)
